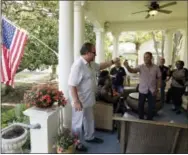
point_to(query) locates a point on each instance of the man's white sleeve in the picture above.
(75, 76)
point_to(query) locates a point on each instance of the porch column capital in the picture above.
(77, 6)
(116, 34)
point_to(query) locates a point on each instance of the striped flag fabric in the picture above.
(13, 43)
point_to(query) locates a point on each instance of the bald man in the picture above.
(164, 73)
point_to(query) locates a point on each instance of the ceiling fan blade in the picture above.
(140, 11)
(168, 4)
(165, 11)
(147, 16)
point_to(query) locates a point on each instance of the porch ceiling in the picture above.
(120, 11)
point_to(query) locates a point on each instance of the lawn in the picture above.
(16, 94)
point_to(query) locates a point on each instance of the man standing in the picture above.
(82, 82)
(164, 73)
(118, 74)
(150, 77)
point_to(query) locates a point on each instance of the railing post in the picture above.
(43, 139)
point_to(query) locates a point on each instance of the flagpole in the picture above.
(32, 36)
(45, 45)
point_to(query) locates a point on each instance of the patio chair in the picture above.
(141, 136)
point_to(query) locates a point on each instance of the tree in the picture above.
(177, 45)
(107, 44)
(155, 46)
(89, 33)
(41, 20)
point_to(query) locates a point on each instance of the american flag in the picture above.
(13, 44)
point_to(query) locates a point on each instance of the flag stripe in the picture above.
(18, 56)
(5, 66)
(13, 48)
(3, 74)
(16, 51)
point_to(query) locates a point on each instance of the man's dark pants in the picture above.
(151, 105)
(163, 85)
(177, 94)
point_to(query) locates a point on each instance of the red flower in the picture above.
(60, 149)
(44, 95)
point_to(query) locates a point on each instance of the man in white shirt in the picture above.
(82, 82)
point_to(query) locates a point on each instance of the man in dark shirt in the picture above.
(164, 74)
(118, 74)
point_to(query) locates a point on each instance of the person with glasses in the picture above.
(82, 83)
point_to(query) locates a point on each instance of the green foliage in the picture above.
(9, 116)
(89, 33)
(107, 44)
(40, 18)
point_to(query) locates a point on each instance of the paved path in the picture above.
(33, 77)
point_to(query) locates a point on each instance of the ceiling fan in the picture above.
(154, 8)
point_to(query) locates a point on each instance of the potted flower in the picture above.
(66, 141)
(44, 96)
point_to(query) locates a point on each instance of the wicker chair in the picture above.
(141, 136)
(103, 114)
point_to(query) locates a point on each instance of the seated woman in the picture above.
(106, 94)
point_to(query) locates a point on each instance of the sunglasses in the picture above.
(93, 53)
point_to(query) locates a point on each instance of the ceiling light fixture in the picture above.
(153, 12)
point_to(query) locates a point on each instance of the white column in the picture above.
(99, 45)
(168, 48)
(65, 53)
(184, 51)
(78, 28)
(115, 44)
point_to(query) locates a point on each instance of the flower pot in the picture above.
(13, 138)
(68, 151)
